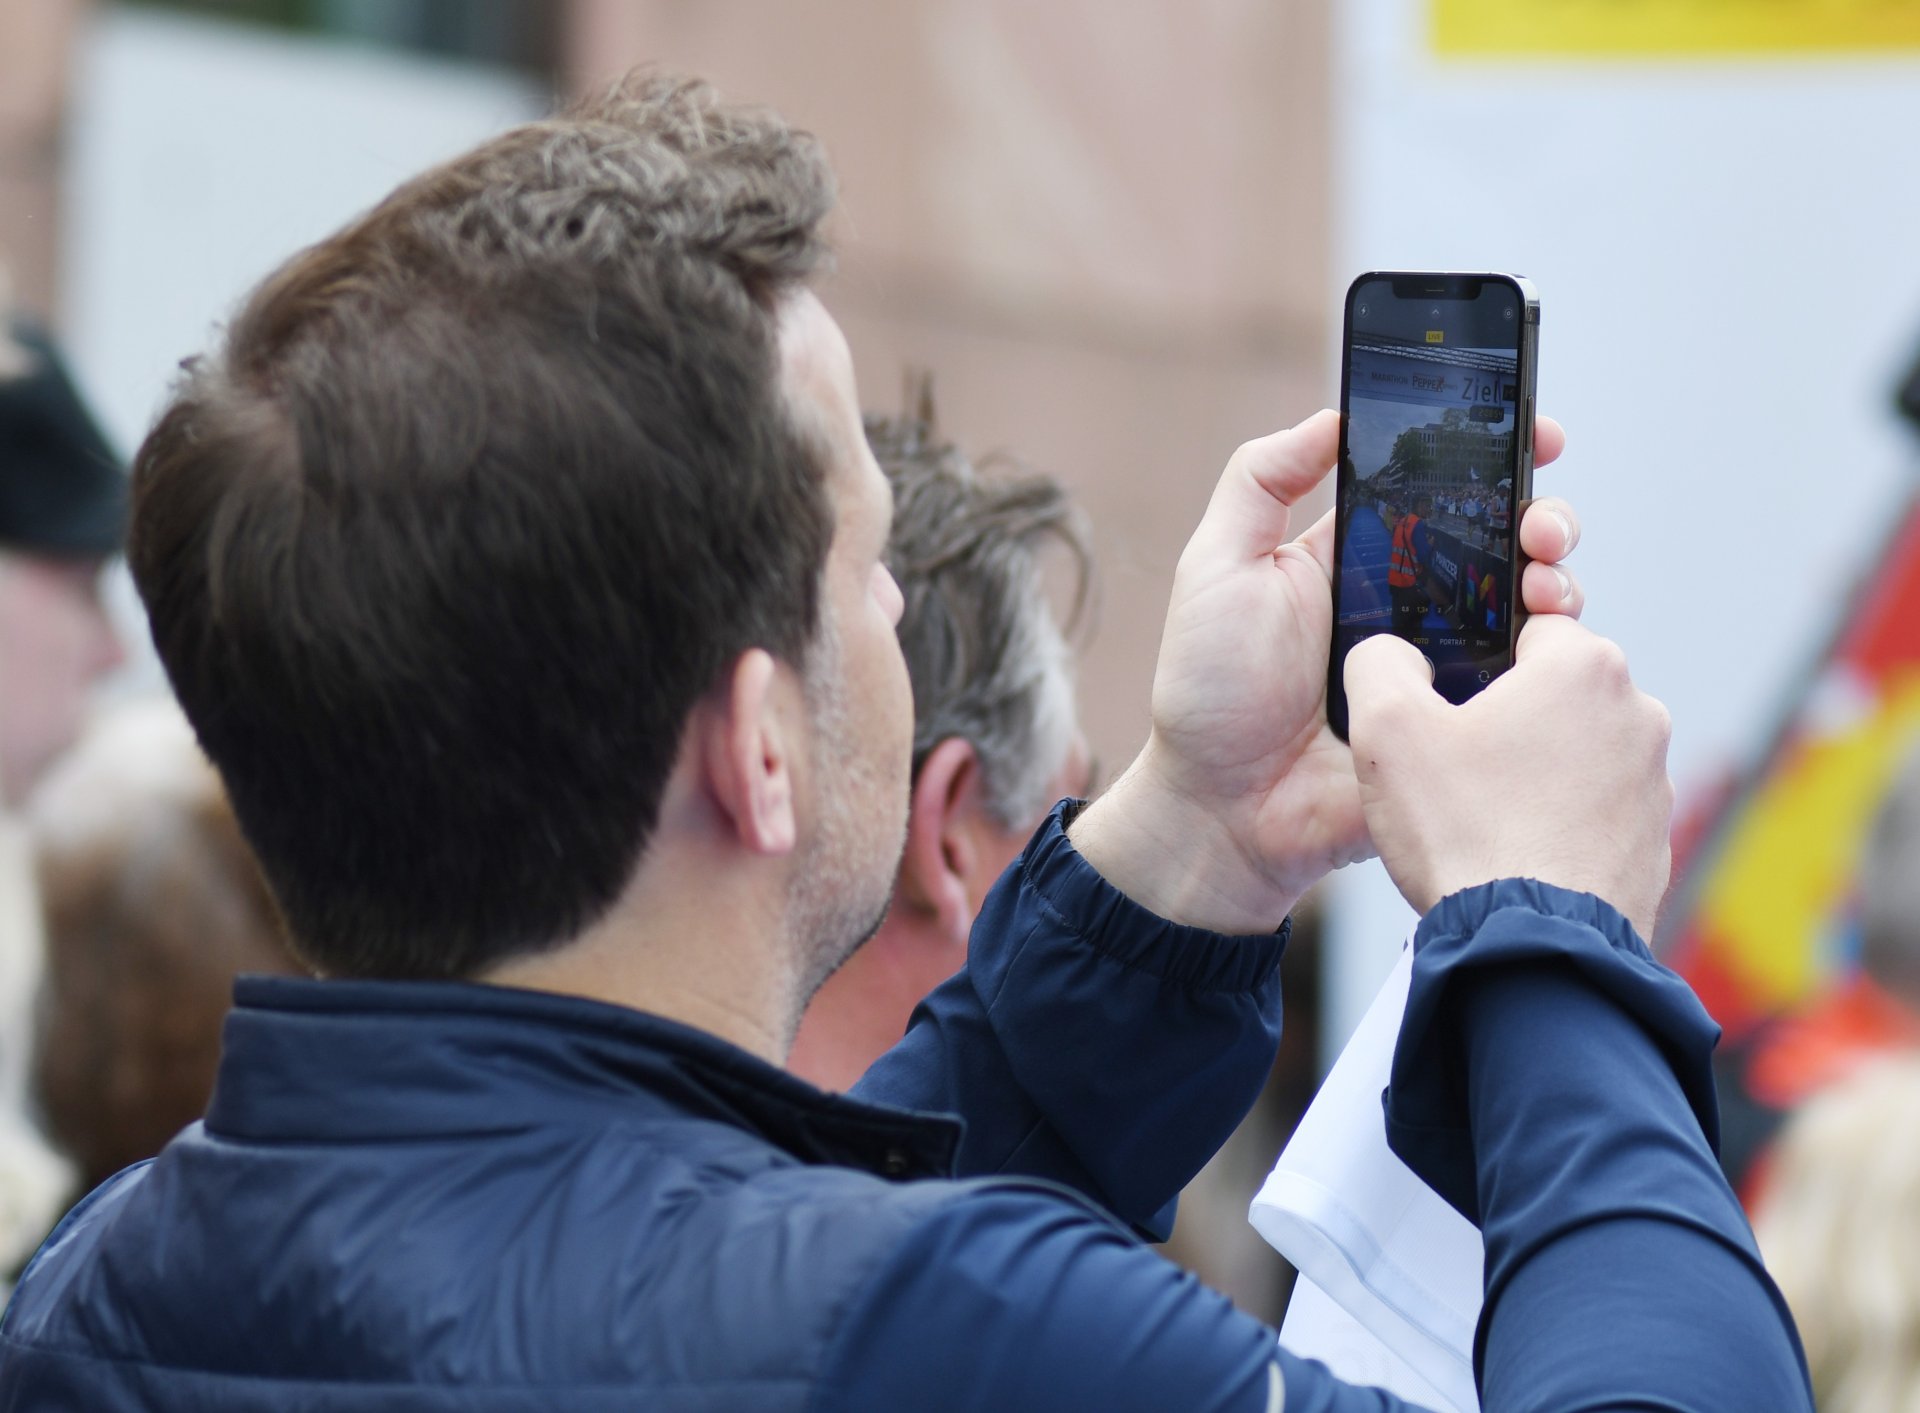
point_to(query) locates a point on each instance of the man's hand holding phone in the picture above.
(1243, 798)
(1558, 771)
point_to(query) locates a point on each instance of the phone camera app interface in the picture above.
(1427, 494)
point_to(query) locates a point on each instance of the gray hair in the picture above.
(988, 661)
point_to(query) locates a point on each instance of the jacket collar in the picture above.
(367, 1061)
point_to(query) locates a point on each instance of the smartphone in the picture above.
(1436, 464)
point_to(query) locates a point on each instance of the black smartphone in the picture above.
(1436, 464)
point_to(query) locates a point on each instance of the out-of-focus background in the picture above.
(1118, 231)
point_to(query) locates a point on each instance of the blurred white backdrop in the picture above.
(1724, 250)
(203, 154)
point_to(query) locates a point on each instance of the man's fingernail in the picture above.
(1566, 584)
(1566, 531)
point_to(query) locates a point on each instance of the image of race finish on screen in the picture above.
(1427, 543)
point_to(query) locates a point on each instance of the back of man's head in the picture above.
(988, 661)
(478, 499)
(996, 736)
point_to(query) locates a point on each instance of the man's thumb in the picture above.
(1542, 632)
(1386, 676)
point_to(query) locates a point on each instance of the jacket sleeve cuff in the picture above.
(1511, 922)
(1105, 919)
(1140, 1043)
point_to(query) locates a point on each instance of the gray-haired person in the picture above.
(996, 735)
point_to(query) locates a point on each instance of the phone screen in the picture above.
(1435, 460)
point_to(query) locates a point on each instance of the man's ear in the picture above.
(748, 754)
(940, 854)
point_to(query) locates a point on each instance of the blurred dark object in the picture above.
(153, 905)
(1908, 397)
(62, 490)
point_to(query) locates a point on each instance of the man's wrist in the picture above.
(1177, 858)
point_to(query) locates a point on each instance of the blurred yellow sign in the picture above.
(1645, 27)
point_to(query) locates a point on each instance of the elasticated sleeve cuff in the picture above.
(1088, 1041)
(1104, 918)
(1520, 921)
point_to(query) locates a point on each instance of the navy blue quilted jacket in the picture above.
(413, 1196)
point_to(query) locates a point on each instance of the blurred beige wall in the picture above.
(1101, 223)
(36, 43)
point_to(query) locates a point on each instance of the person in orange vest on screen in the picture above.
(1407, 570)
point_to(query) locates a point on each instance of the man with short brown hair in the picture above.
(521, 567)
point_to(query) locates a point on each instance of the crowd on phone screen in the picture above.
(1473, 596)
